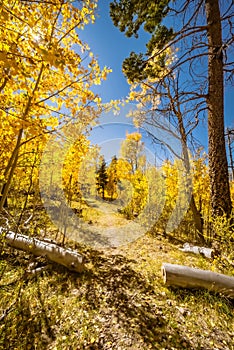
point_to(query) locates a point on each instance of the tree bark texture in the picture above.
(66, 257)
(188, 277)
(218, 166)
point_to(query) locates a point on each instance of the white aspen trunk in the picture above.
(63, 256)
(188, 277)
(189, 248)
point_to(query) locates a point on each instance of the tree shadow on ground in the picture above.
(127, 305)
(110, 296)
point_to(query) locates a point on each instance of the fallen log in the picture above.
(210, 253)
(63, 256)
(189, 248)
(188, 277)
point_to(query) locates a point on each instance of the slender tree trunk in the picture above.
(229, 133)
(197, 218)
(14, 157)
(5, 203)
(218, 166)
(13, 162)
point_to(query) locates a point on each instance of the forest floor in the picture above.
(119, 302)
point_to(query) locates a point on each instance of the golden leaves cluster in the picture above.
(41, 61)
(46, 71)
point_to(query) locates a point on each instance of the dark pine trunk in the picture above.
(218, 166)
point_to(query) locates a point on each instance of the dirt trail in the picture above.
(110, 229)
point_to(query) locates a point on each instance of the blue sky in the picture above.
(111, 47)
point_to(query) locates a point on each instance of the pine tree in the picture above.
(112, 178)
(204, 31)
(102, 178)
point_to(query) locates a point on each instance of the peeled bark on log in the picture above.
(66, 257)
(188, 277)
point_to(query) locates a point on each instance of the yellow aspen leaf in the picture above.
(4, 15)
